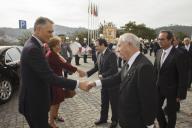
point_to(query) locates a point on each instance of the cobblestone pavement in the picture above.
(82, 110)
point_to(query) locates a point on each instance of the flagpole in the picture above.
(88, 23)
(92, 24)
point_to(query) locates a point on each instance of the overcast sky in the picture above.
(73, 13)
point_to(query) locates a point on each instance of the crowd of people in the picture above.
(136, 92)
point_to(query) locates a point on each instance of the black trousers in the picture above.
(40, 121)
(171, 112)
(190, 78)
(109, 96)
(85, 58)
(77, 59)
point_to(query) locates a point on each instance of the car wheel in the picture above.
(6, 90)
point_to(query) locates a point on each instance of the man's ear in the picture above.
(38, 28)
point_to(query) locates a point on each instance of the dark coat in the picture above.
(171, 78)
(107, 67)
(138, 94)
(36, 78)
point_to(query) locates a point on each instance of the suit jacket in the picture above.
(36, 78)
(106, 67)
(65, 49)
(137, 95)
(189, 53)
(171, 77)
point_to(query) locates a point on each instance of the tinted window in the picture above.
(12, 55)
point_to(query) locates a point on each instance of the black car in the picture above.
(9, 71)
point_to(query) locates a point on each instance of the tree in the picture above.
(180, 35)
(119, 32)
(81, 35)
(100, 30)
(140, 30)
(24, 37)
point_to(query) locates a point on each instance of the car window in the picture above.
(20, 48)
(12, 55)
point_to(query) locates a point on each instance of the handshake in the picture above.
(85, 85)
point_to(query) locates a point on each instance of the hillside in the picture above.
(176, 28)
(12, 34)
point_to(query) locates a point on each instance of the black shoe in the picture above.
(98, 122)
(113, 124)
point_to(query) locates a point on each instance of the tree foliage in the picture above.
(180, 35)
(140, 30)
(24, 37)
(81, 35)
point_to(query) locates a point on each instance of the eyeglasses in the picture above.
(161, 39)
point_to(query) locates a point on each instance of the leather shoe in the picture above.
(98, 122)
(113, 124)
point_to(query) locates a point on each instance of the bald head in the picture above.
(127, 45)
(130, 38)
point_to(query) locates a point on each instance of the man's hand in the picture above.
(81, 73)
(91, 84)
(85, 86)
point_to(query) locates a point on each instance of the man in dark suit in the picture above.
(188, 47)
(106, 66)
(36, 76)
(185, 61)
(171, 79)
(137, 106)
(66, 52)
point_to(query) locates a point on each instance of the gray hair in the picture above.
(42, 21)
(130, 38)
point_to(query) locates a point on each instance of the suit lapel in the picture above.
(190, 48)
(168, 59)
(159, 59)
(130, 73)
(104, 57)
(35, 42)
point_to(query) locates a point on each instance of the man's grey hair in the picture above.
(130, 38)
(42, 21)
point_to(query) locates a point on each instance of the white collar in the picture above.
(104, 51)
(133, 57)
(167, 51)
(38, 40)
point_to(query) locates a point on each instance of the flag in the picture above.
(96, 11)
(88, 9)
(22, 24)
(91, 9)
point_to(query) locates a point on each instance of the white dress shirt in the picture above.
(167, 51)
(187, 47)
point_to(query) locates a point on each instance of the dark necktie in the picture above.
(101, 58)
(125, 70)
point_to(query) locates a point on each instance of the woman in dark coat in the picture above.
(57, 64)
